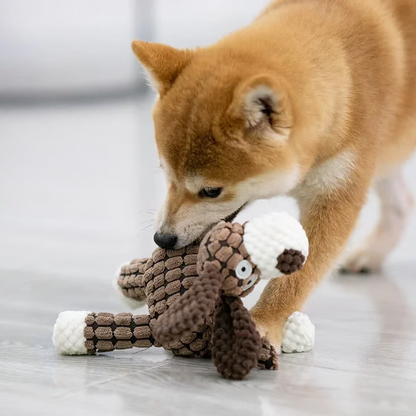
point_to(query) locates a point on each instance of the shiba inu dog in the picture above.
(315, 99)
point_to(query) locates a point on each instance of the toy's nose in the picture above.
(166, 241)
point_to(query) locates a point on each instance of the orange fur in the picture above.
(315, 99)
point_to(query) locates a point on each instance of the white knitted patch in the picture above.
(298, 333)
(268, 236)
(129, 302)
(68, 333)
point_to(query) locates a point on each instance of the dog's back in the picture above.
(378, 38)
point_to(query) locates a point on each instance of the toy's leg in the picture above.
(267, 357)
(78, 333)
(298, 336)
(328, 217)
(298, 333)
(129, 282)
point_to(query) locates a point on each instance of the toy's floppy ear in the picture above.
(162, 62)
(236, 343)
(192, 309)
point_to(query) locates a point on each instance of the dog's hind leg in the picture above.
(395, 205)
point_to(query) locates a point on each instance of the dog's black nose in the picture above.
(166, 241)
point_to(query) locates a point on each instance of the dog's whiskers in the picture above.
(144, 229)
(146, 211)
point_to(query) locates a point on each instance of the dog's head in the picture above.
(223, 129)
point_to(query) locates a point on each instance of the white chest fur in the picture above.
(328, 176)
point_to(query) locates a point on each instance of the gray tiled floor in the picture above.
(363, 363)
(76, 184)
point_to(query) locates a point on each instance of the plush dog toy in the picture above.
(194, 299)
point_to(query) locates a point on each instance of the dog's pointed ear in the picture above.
(163, 63)
(262, 104)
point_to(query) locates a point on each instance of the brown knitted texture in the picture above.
(191, 310)
(267, 357)
(290, 261)
(183, 288)
(236, 343)
(163, 279)
(224, 248)
(131, 279)
(107, 332)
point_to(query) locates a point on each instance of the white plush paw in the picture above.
(68, 333)
(298, 333)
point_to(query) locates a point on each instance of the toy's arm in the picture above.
(80, 332)
(130, 284)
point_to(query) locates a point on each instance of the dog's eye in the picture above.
(243, 269)
(210, 192)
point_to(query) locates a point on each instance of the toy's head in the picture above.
(267, 247)
(231, 260)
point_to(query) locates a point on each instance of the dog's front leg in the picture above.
(328, 218)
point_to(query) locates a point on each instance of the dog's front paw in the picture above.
(271, 330)
(294, 334)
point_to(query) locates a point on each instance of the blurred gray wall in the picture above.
(68, 47)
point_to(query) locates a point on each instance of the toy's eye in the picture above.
(243, 269)
(210, 192)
